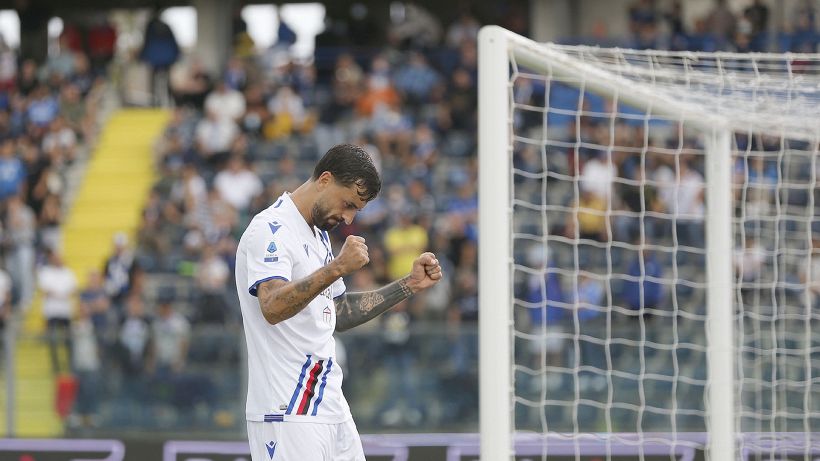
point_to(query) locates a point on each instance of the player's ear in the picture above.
(324, 179)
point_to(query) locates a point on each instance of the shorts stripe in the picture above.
(298, 386)
(322, 387)
(310, 388)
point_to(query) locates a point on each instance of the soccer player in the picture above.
(293, 299)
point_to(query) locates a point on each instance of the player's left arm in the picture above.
(354, 309)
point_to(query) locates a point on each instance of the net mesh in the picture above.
(608, 208)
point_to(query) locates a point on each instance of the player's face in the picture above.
(336, 204)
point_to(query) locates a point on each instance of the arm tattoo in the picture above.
(281, 300)
(355, 309)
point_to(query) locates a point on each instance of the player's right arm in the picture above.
(281, 299)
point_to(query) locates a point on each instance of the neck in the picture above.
(303, 199)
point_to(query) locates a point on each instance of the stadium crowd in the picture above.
(238, 139)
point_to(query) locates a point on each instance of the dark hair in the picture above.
(350, 165)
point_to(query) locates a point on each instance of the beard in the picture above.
(322, 218)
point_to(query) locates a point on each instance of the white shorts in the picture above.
(290, 441)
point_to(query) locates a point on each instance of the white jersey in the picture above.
(293, 374)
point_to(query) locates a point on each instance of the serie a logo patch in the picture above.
(269, 253)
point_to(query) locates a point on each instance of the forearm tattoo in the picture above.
(282, 300)
(355, 309)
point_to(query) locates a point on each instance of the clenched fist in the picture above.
(353, 255)
(426, 272)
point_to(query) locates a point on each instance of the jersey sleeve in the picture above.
(338, 288)
(268, 255)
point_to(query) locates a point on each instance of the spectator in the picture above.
(401, 403)
(462, 100)
(225, 102)
(404, 242)
(588, 218)
(171, 332)
(423, 151)
(421, 202)
(643, 12)
(212, 275)
(757, 14)
(588, 301)
(643, 290)
(19, 243)
(760, 179)
(689, 205)
(95, 302)
(288, 111)
(256, 113)
(236, 75)
(463, 346)
(118, 271)
(638, 201)
(48, 223)
(682, 196)
(804, 39)
(27, 79)
(722, 21)
(62, 62)
(58, 284)
(190, 83)
(12, 170)
(238, 185)
(675, 19)
(102, 40)
(87, 367)
(135, 347)
(547, 314)
(42, 109)
(749, 261)
(463, 29)
(71, 38)
(60, 142)
(215, 137)
(44, 180)
(219, 218)
(380, 91)
(160, 51)
(597, 176)
(154, 237)
(417, 81)
(643, 19)
(75, 112)
(348, 78)
(83, 77)
(189, 192)
(589, 296)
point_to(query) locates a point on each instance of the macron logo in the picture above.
(271, 446)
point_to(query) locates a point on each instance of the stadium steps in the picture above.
(34, 391)
(110, 199)
(113, 192)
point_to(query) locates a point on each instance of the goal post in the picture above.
(608, 177)
(720, 351)
(494, 265)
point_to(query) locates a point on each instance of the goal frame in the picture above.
(495, 259)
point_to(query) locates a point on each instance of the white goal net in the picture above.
(649, 254)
